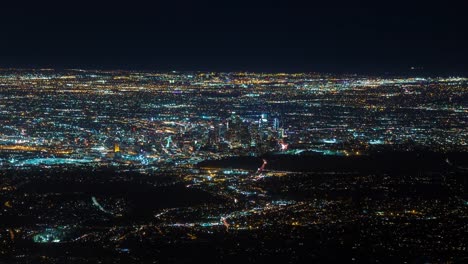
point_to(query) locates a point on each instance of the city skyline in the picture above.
(233, 132)
(132, 167)
(187, 117)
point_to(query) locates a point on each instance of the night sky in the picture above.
(236, 36)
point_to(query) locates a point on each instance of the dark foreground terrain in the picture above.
(386, 208)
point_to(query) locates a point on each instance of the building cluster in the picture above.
(142, 118)
(144, 167)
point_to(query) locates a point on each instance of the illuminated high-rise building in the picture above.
(281, 133)
(276, 124)
(263, 127)
(233, 133)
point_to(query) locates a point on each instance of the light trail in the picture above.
(96, 203)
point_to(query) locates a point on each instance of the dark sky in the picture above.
(233, 35)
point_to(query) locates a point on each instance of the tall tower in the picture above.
(235, 125)
(263, 127)
(275, 124)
